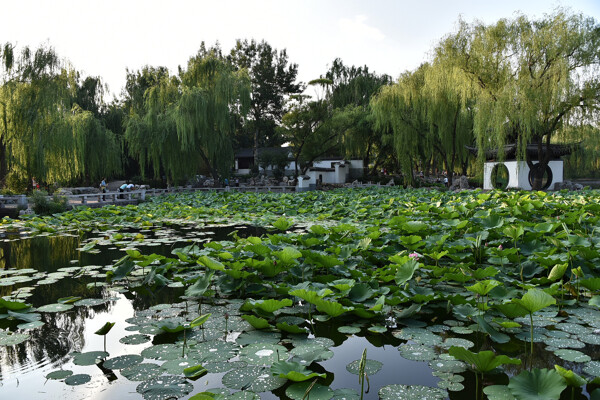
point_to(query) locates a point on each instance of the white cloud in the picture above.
(357, 28)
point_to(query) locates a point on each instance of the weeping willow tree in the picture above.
(449, 113)
(188, 123)
(152, 137)
(533, 78)
(400, 108)
(213, 95)
(43, 133)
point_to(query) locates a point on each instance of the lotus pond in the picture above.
(377, 293)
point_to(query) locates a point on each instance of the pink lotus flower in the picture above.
(414, 256)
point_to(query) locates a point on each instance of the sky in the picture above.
(103, 38)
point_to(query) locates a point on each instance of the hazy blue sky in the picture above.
(105, 37)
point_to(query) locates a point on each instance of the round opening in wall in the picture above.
(546, 177)
(499, 176)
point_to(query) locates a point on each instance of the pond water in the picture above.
(54, 267)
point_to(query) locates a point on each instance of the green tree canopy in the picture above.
(44, 132)
(188, 121)
(533, 78)
(273, 80)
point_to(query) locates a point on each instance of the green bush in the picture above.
(15, 183)
(42, 205)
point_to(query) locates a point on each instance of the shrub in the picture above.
(44, 206)
(15, 183)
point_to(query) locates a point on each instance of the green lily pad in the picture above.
(11, 339)
(135, 339)
(164, 387)
(417, 352)
(253, 378)
(348, 330)
(89, 358)
(263, 353)
(572, 355)
(318, 392)
(124, 361)
(214, 350)
(56, 307)
(371, 367)
(142, 372)
(453, 366)
(467, 344)
(165, 352)
(410, 392)
(30, 325)
(293, 371)
(243, 395)
(59, 374)
(311, 352)
(89, 302)
(176, 366)
(498, 392)
(592, 368)
(78, 379)
(258, 337)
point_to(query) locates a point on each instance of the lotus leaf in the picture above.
(78, 379)
(142, 372)
(297, 391)
(59, 374)
(409, 392)
(255, 379)
(164, 387)
(537, 384)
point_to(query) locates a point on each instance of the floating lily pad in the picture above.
(263, 353)
(220, 367)
(30, 325)
(377, 329)
(417, 352)
(371, 367)
(90, 302)
(176, 366)
(164, 387)
(311, 352)
(345, 394)
(498, 392)
(592, 368)
(348, 330)
(142, 372)
(135, 339)
(418, 335)
(410, 392)
(453, 366)
(572, 355)
(451, 386)
(11, 339)
(565, 343)
(214, 350)
(318, 392)
(165, 352)
(89, 358)
(78, 379)
(467, 344)
(124, 361)
(253, 378)
(59, 374)
(243, 395)
(258, 337)
(56, 307)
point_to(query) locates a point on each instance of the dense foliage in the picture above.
(524, 81)
(499, 284)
